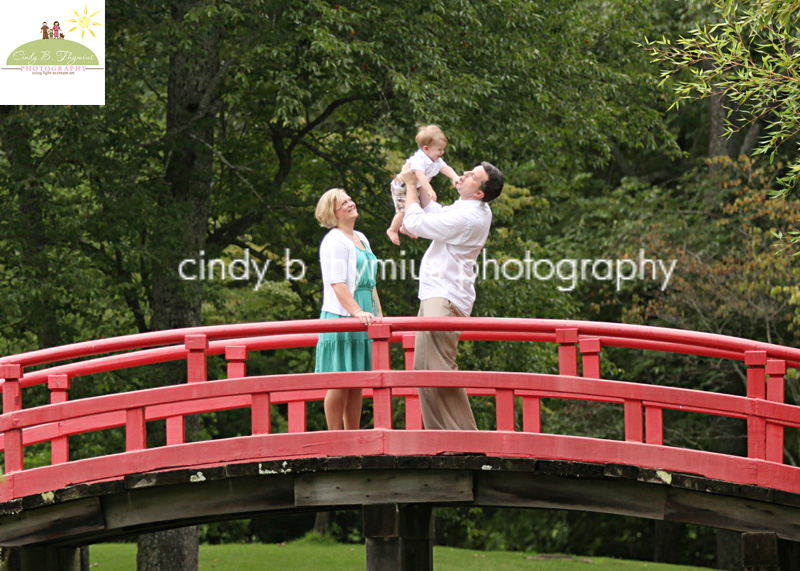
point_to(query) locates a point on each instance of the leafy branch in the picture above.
(750, 57)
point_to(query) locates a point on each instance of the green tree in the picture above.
(747, 59)
(226, 120)
(727, 279)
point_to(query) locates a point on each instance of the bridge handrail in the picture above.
(303, 333)
(163, 355)
(610, 331)
(130, 410)
(178, 352)
(687, 400)
(579, 342)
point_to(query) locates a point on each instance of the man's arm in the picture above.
(425, 190)
(413, 194)
(440, 224)
(445, 224)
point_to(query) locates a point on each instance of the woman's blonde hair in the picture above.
(327, 205)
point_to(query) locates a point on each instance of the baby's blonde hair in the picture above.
(429, 134)
(327, 205)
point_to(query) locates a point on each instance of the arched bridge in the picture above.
(395, 473)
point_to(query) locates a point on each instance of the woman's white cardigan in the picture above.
(337, 258)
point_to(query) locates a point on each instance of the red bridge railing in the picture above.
(579, 345)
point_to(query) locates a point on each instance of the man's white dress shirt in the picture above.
(459, 232)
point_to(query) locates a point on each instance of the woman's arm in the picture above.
(350, 304)
(377, 303)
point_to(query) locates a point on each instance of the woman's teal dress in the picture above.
(350, 351)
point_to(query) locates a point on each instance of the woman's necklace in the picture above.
(355, 239)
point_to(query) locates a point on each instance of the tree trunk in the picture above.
(322, 523)
(172, 550)
(185, 202)
(192, 100)
(751, 138)
(32, 200)
(718, 143)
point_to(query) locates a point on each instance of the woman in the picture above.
(348, 290)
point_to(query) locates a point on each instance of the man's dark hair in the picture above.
(494, 186)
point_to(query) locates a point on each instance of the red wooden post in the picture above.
(380, 334)
(260, 414)
(381, 361)
(654, 425)
(176, 430)
(297, 416)
(567, 351)
(382, 407)
(196, 372)
(776, 369)
(413, 413)
(58, 385)
(135, 430)
(409, 340)
(59, 447)
(590, 349)
(237, 361)
(12, 401)
(634, 426)
(12, 397)
(413, 408)
(756, 383)
(13, 451)
(504, 402)
(196, 366)
(531, 414)
(757, 389)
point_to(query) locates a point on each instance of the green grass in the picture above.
(310, 555)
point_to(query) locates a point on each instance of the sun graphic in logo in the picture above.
(84, 21)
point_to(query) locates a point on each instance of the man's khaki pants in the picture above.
(442, 408)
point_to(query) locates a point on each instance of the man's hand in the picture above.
(410, 178)
(422, 194)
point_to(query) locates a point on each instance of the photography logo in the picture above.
(59, 61)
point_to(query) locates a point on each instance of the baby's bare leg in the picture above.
(396, 226)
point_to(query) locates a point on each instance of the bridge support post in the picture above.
(47, 559)
(399, 537)
(789, 552)
(760, 551)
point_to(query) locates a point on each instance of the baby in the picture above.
(426, 163)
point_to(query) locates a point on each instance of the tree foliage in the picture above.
(225, 121)
(749, 56)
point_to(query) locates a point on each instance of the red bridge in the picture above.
(395, 474)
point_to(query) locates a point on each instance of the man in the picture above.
(447, 281)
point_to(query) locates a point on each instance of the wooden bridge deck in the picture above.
(89, 513)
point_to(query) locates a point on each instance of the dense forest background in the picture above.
(226, 120)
